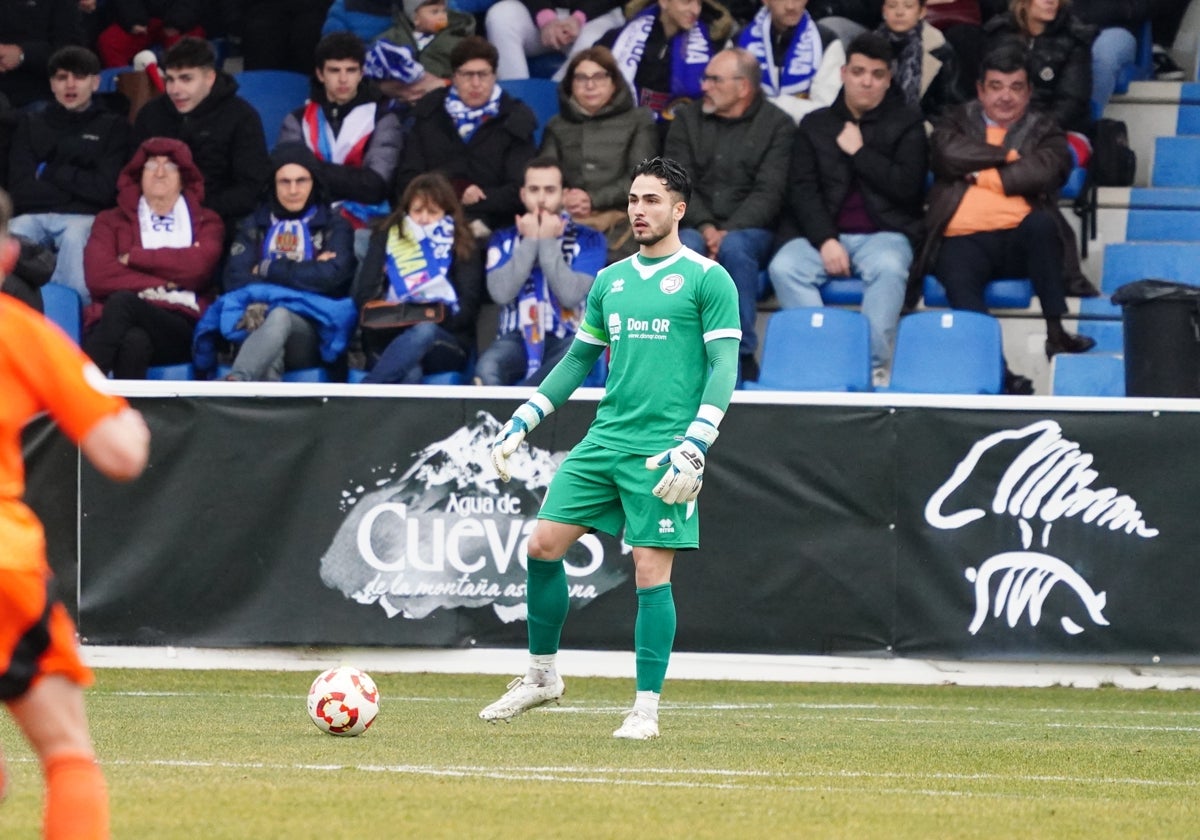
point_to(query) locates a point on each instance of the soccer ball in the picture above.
(343, 701)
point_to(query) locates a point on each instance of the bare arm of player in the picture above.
(119, 445)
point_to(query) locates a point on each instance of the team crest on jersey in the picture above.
(671, 284)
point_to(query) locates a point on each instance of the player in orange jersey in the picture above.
(41, 674)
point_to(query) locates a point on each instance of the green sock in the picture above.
(653, 635)
(548, 604)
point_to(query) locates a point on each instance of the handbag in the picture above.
(382, 315)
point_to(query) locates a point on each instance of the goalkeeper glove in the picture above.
(684, 463)
(524, 420)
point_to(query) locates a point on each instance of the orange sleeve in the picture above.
(60, 378)
(989, 179)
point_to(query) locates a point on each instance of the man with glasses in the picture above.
(476, 135)
(736, 146)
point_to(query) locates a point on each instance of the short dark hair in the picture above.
(190, 52)
(543, 162)
(670, 172)
(1008, 57)
(471, 48)
(340, 46)
(871, 45)
(78, 61)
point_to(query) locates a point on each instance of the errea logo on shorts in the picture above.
(614, 326)
(666, 526)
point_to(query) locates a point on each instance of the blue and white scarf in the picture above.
(418, 263)
(287, 239)
(536, 311)
(468, 120)
(690, 54)
(803, 57)
(389, 60)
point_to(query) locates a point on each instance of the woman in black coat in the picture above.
(1060, 51)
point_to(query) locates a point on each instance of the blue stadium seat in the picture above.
(177, 373)
(312, 374)
(63, 306)
(842, 291)
(1002, 293)
(1087, 375)
(274, 94)
(1125, 262)
(1109, 334)
(453, 377)
(815, 349)
(108, 78)
(1162, 225)
(1176, 161)
(948, 352)
(541, 95)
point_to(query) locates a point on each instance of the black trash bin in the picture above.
(1162, 338)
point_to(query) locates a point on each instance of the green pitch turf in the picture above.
(232, 754)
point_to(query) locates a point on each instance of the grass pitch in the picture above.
(232, 754)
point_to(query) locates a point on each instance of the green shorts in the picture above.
(608, 490)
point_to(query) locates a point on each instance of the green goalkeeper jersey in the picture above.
(656, 315)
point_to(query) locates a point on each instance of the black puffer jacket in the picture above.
(1061, 62)
(68, 161)
(889, 169)
(226, 137)
(493, 159)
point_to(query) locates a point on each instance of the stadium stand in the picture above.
(63, 306)
(1088, 375)
(817, 349)
(948, 352)
(274, 94)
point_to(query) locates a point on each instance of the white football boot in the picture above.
(523, 694)
(638, 726)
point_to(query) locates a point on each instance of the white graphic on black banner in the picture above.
(448, 533)
(1050, 479)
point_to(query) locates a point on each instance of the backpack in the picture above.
(1113, 162)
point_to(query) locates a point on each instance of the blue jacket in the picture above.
(335, 319)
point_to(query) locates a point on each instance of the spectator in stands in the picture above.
(365, 18)
(521, 28)
(540, 272)
(598, 137)
(1118, 23)
(350, 129)
(663, 49)
(64, 164)
(736, 145)
(476, 135)
(998, 167)
(846, 18)
(799, 60)
(412, 58)
(926, 73)
(424, 254)
(281, 34)
(1060, 57)
(150, 263)
(856, 195)
(288, 274)
(30, 32)
(141, 24)
(224, 132)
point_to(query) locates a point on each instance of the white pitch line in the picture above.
(598, 707)
(675, 778)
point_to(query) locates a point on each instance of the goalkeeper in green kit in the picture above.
(669, 318)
